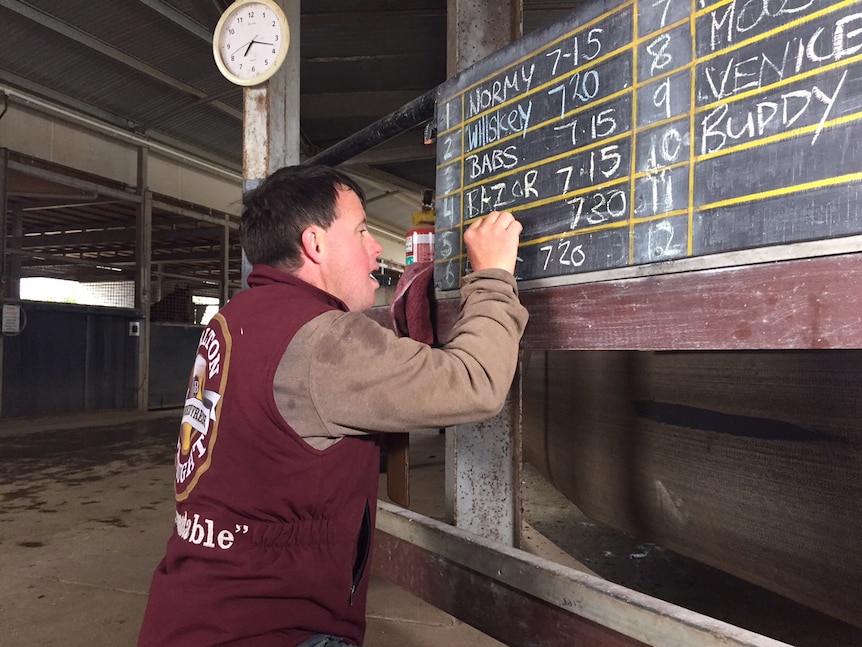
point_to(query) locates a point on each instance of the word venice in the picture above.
(602, 141)
(798, 55)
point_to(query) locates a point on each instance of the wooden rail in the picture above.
(521, 599)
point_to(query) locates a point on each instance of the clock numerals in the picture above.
(251, 41)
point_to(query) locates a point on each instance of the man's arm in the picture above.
(345, 374)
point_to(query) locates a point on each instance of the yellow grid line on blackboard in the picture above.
(553, 158)
(631, 90)
(777, 137)
(692, 128)
(782, 191)
(579, 30)
(785, 26)
(692, 114)
(633, 151)
(778, 84)
(570, 113)
(562, 198)
(667, 167)
(573, 233)
(663, 215)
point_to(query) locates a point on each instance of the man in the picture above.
(277, 463)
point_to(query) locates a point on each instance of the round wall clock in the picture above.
(251, 41)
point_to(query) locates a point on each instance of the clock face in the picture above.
(251, 42)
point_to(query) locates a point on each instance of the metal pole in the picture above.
(483, 460)
(271, 119)
(4, 272)
(143, 266)
(418, 111)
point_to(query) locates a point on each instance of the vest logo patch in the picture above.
(199, 426)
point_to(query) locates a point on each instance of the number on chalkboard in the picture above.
(654, 130)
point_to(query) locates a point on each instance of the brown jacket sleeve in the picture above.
(344, 374)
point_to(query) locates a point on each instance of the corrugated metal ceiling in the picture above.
(146, 66)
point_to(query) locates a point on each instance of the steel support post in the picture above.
(271, 119)
(483, 460)
(4, 271)
(143, 273)
(5, 278)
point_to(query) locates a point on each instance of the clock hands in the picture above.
(253, 42)
(250, 41)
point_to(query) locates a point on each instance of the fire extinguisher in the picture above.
(420, 245)
(420, 239)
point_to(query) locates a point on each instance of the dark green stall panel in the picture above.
(68, 359)
(172, 354)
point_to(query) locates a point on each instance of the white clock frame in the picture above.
(250, 41)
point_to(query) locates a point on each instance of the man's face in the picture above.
(352, 254)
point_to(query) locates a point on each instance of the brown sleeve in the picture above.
(345, 374)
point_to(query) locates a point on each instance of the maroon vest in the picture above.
(272, 537)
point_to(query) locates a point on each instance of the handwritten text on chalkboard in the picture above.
(649, 131)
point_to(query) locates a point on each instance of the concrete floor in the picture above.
(85, 510)
(84, 515)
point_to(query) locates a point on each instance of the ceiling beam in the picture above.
(393, 154)
(72, 33)
(31, 260)
(330, 105)
(49, 205)
(104, 236)
(59, 105)
(107, 258)
(226, 219)
(179, 18)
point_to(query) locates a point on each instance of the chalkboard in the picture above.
(654, 130)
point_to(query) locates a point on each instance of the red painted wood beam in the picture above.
(790, 304)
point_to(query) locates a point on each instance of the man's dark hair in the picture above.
(275, 214)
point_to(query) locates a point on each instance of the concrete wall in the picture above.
(96, 149)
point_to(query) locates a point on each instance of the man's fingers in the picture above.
(504, 218)
(508, 220)
(486, 220)
(501, 220)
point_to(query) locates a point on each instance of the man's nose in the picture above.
(377, 248)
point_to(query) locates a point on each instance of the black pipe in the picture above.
(412, 114)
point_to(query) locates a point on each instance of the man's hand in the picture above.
(492, 241)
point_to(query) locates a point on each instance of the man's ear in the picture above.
(313, 242)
